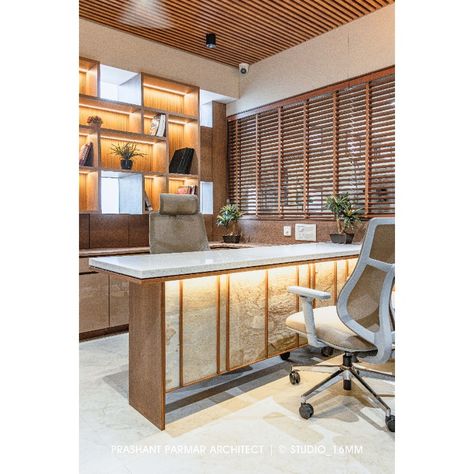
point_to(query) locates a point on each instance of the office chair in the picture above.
(362, 323)
(178, 226)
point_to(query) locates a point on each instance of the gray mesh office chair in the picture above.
(179, 226)
(361, 324)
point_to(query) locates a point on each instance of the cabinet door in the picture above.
(119, 302)
(93, 302)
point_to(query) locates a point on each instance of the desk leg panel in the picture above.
(147, 351)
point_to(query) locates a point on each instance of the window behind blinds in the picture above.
(284, 161)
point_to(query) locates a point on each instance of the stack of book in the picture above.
(187, 190)
(86, 154)
(181, 161)
(158, 125)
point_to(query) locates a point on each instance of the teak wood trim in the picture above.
(267, 303)
(227, 324)
(181, 332)
(218, 324)
(367, 148)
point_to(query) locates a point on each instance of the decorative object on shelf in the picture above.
(94, 121)
(181, 161)
(158, 125)
(148, 206)
(187, 190)
(86, 154)
(347, 218)
(127, 151)
(229, 216)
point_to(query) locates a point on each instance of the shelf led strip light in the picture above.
(164, 89)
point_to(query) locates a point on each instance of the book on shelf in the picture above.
(187, 190)
(181, 161)
(86, 154)
(158, 125)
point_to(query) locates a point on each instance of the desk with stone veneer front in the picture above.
(196, 315)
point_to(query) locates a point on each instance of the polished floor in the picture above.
(243, 422)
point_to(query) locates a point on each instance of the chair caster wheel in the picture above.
(327, 351)
(306, 411)
(285, 356)
(294, 377)
(347, 384)
(390, 422)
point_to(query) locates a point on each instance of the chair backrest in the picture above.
(364, 301)
(179, 226)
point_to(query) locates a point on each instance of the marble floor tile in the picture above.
(255, 408)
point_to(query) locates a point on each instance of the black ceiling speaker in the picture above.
(211, 40)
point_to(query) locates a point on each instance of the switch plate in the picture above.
(287, 230)
(305, 232)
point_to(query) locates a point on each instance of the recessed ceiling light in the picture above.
(211, 40)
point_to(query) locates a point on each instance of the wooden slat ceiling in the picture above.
(247, 30)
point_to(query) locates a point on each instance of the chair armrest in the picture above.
(309, 293)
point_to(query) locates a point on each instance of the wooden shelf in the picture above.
(130, 136)
(182, 176)
(128, 122)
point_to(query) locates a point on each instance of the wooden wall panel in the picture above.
(138, 230)
(271, 231)
(206, 153)
(108, 230)
(83, 231)
(93, 302)
(119, 299)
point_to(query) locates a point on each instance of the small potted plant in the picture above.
(347, 218)
(228, 216)
(94, 121)
(127, 151)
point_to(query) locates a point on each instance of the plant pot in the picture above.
(341, 238)
(231, 239)
(126, 164)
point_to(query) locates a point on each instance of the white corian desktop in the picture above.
(196, 315)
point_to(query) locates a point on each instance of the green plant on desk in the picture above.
(347, 218)
(229, 216)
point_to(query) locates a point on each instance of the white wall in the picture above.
(357, 48)
(122, 50)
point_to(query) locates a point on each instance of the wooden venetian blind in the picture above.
(286, 159)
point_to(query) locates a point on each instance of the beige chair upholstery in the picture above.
(179, 226)
(330, 330)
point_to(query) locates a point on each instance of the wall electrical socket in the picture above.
(305, 232)
(287, 230)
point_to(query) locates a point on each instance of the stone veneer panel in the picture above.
(325, 282)
(172, 333)
(247, 317)
(281, 304)
(199, 324)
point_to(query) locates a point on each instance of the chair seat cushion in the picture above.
(330, 330)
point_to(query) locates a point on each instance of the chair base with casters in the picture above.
(348, 371)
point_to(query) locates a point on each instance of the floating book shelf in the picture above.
(124, 121)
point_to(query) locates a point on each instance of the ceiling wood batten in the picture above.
(247, 30)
